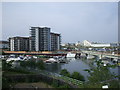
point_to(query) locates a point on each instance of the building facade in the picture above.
(41, 39)
(19, 43)
(89, 44)
(55, 41)
(4, 45)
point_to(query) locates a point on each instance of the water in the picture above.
(73, 65)
(78, 65)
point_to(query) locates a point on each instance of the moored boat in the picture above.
(70, 55)
(51, 60)
(14, 59)
(90, 57)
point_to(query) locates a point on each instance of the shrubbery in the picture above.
(78, 76)
(75, 75)
(65, 73)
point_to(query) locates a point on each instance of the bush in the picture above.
(40, 65)
(64, 86)
(5, 83)
(65, 73)
(78, 76)
(5, 65)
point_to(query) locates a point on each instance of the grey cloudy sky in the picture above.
(76, 21)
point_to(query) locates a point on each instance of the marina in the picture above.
(72, 64)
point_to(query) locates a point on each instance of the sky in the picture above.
(75, 21)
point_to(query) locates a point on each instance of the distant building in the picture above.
(89, 44)
(63, 44)
(4, 45)
(86, 43)
(114, 44)
(55, 41)
(41, 39)
(77, 43)
(19, 43)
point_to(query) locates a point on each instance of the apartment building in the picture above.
(19, 43)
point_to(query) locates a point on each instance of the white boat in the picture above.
(34, 57)
(90, 57)
(27, 57)
(14, 59)
(70, 55)
(83, 55)
(51, 60)
(12, 56)
(2, 57)
(115, 60)
(105, 62)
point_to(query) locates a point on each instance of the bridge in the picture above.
(102, 54)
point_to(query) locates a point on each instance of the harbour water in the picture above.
(78, 65)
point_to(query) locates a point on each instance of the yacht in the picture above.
(51, 60)
(70, 55)
(90, 57)
(13, 58)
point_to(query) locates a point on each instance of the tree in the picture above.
(65, 73)
(100, 73)
(40, 64)
(6, 65)
(100, 76)
(77, 75)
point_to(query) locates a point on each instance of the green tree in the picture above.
(99, 76)
(40, 64)
(77, 75)
(6, 65)
(65, 73)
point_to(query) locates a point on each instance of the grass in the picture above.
(70, 80)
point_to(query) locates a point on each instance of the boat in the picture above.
(51, 60)
(12, 56)
(90, 57)
(115, 60)
(34, 57)
(27, 57)
(2, 57)
(14, 59)
(105, 62)
(70, 55)
(62, 61)
(83, 55)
